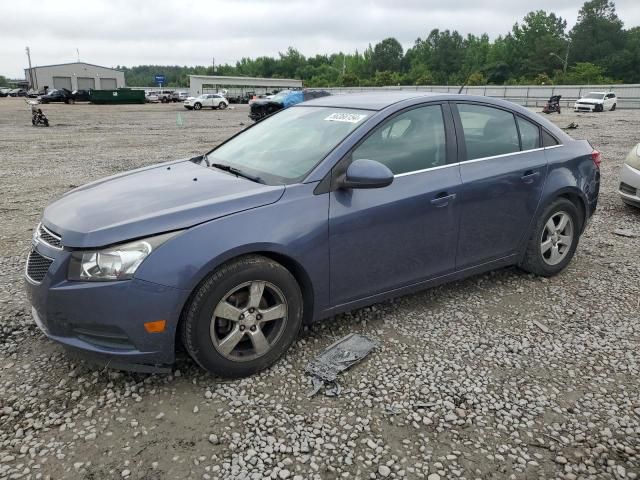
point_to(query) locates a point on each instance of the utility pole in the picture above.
(30, 69)
(213, 65)
(565, 60)
(78, 52)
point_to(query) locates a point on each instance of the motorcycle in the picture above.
(553, 105)
(37, 115)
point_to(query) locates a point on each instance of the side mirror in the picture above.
(363, 173)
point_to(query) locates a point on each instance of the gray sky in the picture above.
(191, 32)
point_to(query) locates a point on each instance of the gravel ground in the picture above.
(503, 375)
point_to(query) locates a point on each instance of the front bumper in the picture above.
(585, 107)
(104, 321)
(629, 187)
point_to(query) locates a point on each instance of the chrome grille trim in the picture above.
(50, 238)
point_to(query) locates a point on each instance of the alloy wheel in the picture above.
(557, 238)
(248, 320)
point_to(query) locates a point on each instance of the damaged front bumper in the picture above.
(104, 321)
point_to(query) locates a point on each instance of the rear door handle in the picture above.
(529, 176)
(443, 199)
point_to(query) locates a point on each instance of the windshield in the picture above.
(281, 95)
(286, 146)
(594, 96)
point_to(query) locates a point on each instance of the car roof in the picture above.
(382, 99)
(367, 100)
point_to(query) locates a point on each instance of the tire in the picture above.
(599, 108)
(197, 106)
(546, 263)
(222, 106)
(46, 122)
(226, 347)
(613, 108)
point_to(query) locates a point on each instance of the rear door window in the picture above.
(548, 140)
(488, 131)
(529, 134)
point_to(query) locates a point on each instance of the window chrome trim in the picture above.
(426, 170)
(477, 160)
(519, 152)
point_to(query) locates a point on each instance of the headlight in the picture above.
(633, 159)
(119, 262)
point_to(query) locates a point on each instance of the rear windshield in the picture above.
(285, 147)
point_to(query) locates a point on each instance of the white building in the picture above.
(199, 84)
(74, 76)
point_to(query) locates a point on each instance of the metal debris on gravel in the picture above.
(336, 358)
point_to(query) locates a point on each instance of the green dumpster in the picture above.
(116, 97)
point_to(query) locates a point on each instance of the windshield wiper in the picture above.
(237, 172)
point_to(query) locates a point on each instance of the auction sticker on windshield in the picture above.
(346, 117)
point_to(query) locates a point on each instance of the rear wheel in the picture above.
(197, 106)
(554, 239)
(222, 106)
(243, 317)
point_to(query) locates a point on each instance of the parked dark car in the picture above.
(36, 93)
(324, 207)
(57, 95)
(260, 108)
(18, 92)
(80, 95)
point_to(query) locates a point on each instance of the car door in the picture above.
(609, 101)
(382, 239)
(503, 169)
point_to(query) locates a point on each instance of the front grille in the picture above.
(49, 237)
(37, 266)
(628, 189)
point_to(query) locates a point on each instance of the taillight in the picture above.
(595, 156)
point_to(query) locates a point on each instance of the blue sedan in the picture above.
(327, 206)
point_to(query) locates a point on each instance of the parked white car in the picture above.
(211, 100)
(629, 188)
(596, 102)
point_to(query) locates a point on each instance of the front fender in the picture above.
(295, 227)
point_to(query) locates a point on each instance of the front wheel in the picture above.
(197, 106)
(243, 317)
(613, 107)
(554, 239)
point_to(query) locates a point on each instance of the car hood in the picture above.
(151, 200)
(592, 101)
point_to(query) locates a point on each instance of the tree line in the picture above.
(538, 50)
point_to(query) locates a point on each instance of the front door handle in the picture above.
(443, 199)
(529, 176)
